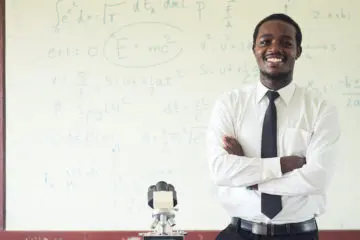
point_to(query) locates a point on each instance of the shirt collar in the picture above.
(285, 93)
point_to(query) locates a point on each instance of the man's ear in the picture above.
(299, 51)
(253, 47)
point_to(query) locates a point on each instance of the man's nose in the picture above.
(275, 46)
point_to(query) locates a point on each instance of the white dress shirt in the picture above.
(307, 126)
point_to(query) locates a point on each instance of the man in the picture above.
(272, 145)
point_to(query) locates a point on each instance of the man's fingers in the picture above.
(230, 140)
(232, 146)
(227, 141)
(229, 149)
(229, 144)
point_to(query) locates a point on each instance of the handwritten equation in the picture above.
(73, 12)
(167, 139)
(86, 84)
(341, 14)
(117, 46)
(154, 6)
(196, 110)
(352, 86)
(244, 72)
(69, 12)
(71, 178)
(86, 138)
(125, 48)
(228, 12)
(225, 43)
(347, 87)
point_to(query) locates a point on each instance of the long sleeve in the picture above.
(321, 154)
(231, 170)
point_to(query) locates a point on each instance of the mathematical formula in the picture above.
(228, 12)
(341, 14)
(74, 12)
(90, 85)
(170, 138)
(196, 110)
(113, 13)
(125, 48)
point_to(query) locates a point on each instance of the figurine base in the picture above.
(180, 235)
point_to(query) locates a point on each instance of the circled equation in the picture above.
(143, 44)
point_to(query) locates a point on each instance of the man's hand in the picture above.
(290, 163)
(232, 146)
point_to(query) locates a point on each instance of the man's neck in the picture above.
(275, 84)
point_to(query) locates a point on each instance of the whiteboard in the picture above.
(105, 98)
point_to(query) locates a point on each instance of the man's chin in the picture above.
(276, 76)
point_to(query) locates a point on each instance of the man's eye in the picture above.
(288, 44)
(264, 42)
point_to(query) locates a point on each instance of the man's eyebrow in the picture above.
(286, 36)
(266, 35)
(270, 35)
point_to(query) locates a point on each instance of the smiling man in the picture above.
(272, 145)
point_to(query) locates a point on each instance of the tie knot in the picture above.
(272, 95)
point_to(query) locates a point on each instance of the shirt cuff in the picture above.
(271, 168)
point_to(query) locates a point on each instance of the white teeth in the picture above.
(274, 60)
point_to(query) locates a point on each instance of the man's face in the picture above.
(276, 49)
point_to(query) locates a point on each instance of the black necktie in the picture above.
(270, 204)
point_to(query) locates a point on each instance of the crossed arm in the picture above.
(284, 175)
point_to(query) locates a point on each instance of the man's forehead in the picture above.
(277, 26)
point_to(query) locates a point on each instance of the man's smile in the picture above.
(274, 60)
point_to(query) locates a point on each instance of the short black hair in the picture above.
(281, 17)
